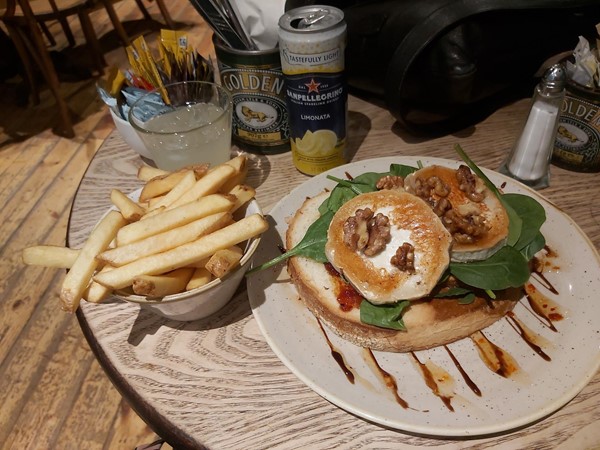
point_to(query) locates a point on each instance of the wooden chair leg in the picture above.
(165, 13)
(18, 37)
(32, 39)
(67, 30)
(143, 9)
(42, 57)
(65, 124)
(116, 22)
(47, 33)
(92, 40)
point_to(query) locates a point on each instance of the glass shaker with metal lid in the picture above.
(529, 159)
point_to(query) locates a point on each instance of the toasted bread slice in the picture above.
(489, 210)
(429, 323)
(411, 221)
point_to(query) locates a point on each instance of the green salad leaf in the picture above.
(347, 189)
(311, 246)
(504, 269)
(467, 299)
(366, 182)
(532, 216)
(453, 292)
(537, 244)
(401, 170)
(385, 316)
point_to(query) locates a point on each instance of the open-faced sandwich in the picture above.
(413, 258)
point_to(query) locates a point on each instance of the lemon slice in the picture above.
(319, 143)
(306, 143)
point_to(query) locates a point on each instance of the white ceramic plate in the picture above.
(536, 390)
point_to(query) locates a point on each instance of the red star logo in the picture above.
(313, 86)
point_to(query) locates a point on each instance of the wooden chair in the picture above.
(45, 11)
(118, 25)
(24, 30)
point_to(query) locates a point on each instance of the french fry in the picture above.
(172, 218)
(153, 202)
(243, 194)
(208, 184)
(185, 254)
(130, 210)
(95, 292)
(240, 164)
(200, 277)
(146, 173)
(161, 285)
(166, 240)
(80, 274)
(221, 263)
(160, 185)
(184, 185)
(199, 264)
(199, 169)
(50, 256)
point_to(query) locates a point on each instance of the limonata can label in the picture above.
(312, 41)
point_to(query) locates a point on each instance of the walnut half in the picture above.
(468, 184)
(390, 182)
(367, 232)
(404, 259)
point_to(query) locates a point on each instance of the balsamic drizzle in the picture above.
(527, 337)
(464, 374)
(388, 379)
(337, 356)
(431, 382)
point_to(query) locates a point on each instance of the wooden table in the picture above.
(216, 383)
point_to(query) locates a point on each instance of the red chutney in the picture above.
(346, 295)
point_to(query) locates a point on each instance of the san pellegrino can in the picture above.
(312, 41)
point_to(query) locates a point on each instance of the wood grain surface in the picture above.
(215, 383)
(53, 392)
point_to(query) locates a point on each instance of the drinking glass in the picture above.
(193, 124)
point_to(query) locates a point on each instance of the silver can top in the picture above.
(310, 19)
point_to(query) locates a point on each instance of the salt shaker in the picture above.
(529, 159)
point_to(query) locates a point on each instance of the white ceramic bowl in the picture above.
(129, 135)
(208, 299)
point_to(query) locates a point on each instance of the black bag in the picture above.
(443, 65)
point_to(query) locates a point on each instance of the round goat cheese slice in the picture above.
(411, 221)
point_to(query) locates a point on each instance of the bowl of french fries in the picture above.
(179, 246)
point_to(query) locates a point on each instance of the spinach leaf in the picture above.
(385, 316)
(467, 299)
(339, 195)
(347, 189)
(452, 292)
(311, 246)
(515, 224)
(505, 268)
(532, 215)
(466, 296)
(401, 170)
(536, 244)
